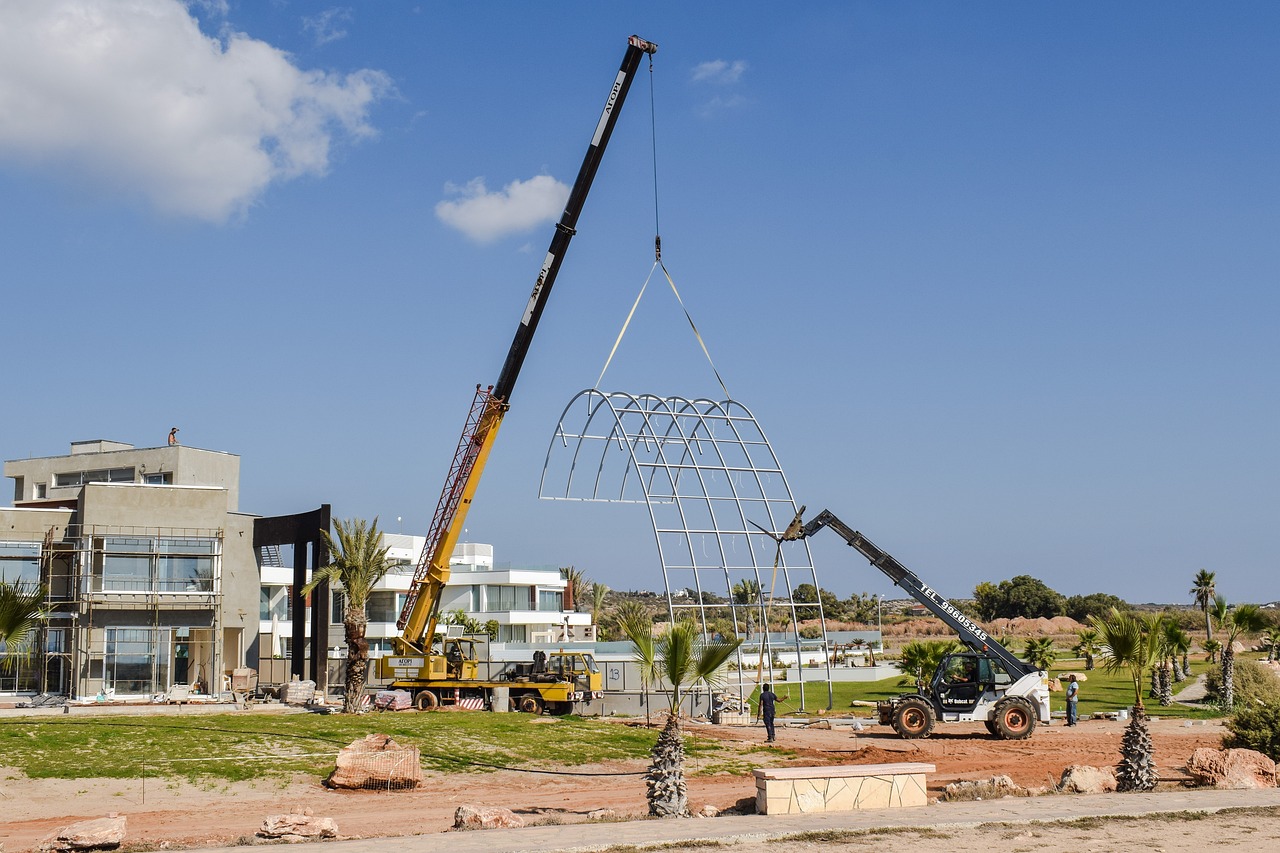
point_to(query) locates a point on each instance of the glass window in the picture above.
(20, 562)
(164, 478)
(384, 606)
(550, 599)
(498, 598)
(144, 564)
(136, 662)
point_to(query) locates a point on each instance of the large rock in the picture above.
(984, 789)
(298, 827)
(472, 817)
(1083, 779)
(104, 833)
(376, 762)
(1232, 768)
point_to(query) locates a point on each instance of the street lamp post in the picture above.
(879, 621)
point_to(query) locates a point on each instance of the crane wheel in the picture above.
(991, 727)
(426, 700)
(913, 718)
(530, 704)
(1015, 719)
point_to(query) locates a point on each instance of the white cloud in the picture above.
(719, 72)
(133, 97)
(521, 205)
(325, 27)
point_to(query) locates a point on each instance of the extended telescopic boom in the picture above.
(417, 620)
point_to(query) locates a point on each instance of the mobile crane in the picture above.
(453, 672)
(987, 683)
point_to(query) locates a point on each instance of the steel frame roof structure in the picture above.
(711, 481)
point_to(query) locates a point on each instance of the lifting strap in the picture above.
(658, 264)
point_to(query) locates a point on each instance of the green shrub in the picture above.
(1254, 683)
(1255, 727)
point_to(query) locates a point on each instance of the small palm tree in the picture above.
(920, 659)
(1131, 642)
(1203, 591)
(22, 611)
(357, 561)
(1245, 619)
(1271, 640)
(1040, 653)
(575, 588)
(1086, 646)
(1177, 643)
(683, 658)
(598, 593)
(1212, 648)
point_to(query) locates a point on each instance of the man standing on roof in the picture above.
(173, 437)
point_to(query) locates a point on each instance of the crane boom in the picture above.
(418, 618)
(971, 634)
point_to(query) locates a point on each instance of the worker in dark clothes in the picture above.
(768, 701)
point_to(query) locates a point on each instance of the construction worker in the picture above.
(173, 436)
(768, 702)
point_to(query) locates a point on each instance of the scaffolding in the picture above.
(182, 611)
(717, 498)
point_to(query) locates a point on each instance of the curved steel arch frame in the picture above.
(708, 475)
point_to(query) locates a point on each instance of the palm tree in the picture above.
(683, 658)
(357, 561)
(575, 588)
(1211, 648)
(1040, 653)
(1131, 641)
(1177, 643)
(598, 592)
(1086, 647)
(22, 611)
(1271, 639)
(920, 659)
(1203, 590)
(1219, 609)
(1245, 619)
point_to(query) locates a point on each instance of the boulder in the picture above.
(984, 789)
(104, 833)
(1232, 768)
(491, 817)
(376, 762)
(1083, 779)
(296, 826)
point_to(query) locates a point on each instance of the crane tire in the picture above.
(991, 727)
(1015, 719)
(426, 700)
(530, 704)
(914, 718)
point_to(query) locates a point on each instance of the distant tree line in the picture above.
(1031, 598)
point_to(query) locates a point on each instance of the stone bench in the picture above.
(847, 787)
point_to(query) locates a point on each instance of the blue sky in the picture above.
(998, 279)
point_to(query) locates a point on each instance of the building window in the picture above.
(499, 598)
(20, 562)
(136, 662)
(550, 599)
(41, 491)
(19, 668)
(102, 475)
(163, 478)
(384, 606)
(273, 603)
(154, 564)
(512, 634)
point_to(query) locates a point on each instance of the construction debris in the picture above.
(104, 833)
(298, 827)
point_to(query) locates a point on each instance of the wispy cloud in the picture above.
(486, 216)
(133, 97)
(327, 26)
(719, 72)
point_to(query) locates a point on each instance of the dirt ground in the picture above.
(173, 813)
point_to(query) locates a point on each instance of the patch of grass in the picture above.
(238, 747)
(843, 835)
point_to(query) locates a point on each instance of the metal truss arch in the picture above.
(713, 486)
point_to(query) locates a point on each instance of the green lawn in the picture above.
(1103, 692)
(234, 747)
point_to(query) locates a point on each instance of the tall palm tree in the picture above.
(22, 611)
(1219, 609)
(1131, 642)
(1203, 591)
(1244, 619)
(683, 658)
(575, 589)
(598, 592)
(1086, 646)
(357, 561)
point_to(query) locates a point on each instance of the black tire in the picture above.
(991, 727)
(1015, 719)
(913, 718)
(559, 709)
(529, 704)
(426, 700)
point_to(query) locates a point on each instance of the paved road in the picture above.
(599, 836)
